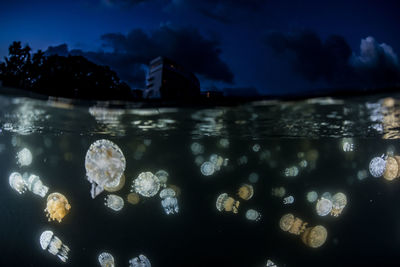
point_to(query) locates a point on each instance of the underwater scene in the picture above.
(310, 182)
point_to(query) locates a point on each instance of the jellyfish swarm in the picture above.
(24, 157)
(114, 202)
(140, 261)
(339, 201)
(291, 224)
(253, 215)
(35, 185)
(51, 243)
(245, 191)
(314, 237)
(17, 182)
(312, 196)
(224, 202)
(105, 164)
(133, 198)
(57, 207)
(288, 200)
(106, 259)
(377, 166)
(323, 206)
(146, 184)
(169, 201)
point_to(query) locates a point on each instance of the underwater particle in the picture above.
(104, 163)
(362, 174)
(35, 185)
(253, 215)
(224, 202)
(51, 243)
(314, 237)
(377, 166)
(291, 171)
(114, 202)
(253, 177)
(106, 259)
(24, 157)
(290, 223)
(288, 200)
(223, 142)
(177, 189)
(197, 148)
(278, 191)
(323, 206)
(256, 147)
(146, 184)
(163, 177)
(133, 198)
(312, 196)
(245, 191)
(57, 207)
(391, 169)
(207, 168)
(140, 261)
(339, 201)
(115, 185)
(199, 160)
(17, 183)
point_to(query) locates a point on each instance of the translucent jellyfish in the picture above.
(140, 261)
(291, 171)
(347, 144)
(146, 184)
(242, 160)
(291, 224)
(114, 202)
(163, 177)
(51, 243)
(312, 196)
(106, 259)
(170, 205)
(35, 185)
(224, 143)
(339, 201)
(377, 166)
(303, 163)
(392, 168)
(167, 192)
(224, 202)
(362, 174)
(177, 189)
(217, 161)
(288, 200)
(256, 147)
(24, 157)
(207, 168)
(199, 160)
(197, 148)
(57, 207)
(253, 215)
(104, 163)
(314, 237)
(270, 264)
(17, 183)
(246, 191)
(278, 191)
(323, 206)
(133, 198)
(327, 195)
(253, 177)
(115, 185)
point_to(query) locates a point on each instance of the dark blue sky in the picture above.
(272, 46)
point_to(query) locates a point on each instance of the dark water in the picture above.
(367, 233)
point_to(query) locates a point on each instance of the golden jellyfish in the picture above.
(392, 168)
(115, 185)
(133, 198)
(291, 224)
(314, 237)
(339, 201)
(57, 207)
(229, 204)
(246, 191)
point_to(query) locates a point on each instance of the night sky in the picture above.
(242, 46)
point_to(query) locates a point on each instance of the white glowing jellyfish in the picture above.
(140, 261)
(291, 171)
(377, 166)
(288, 200)
(35, 185)
(105, 164)
(106, 259)
(24, 157)
(197, 148)
(51, 243)
(253, 215)
(312, 196)
(207, 168)
(270, 264)
(146, 184)
(169, 201)
(163, 177)
(323, 206)
(114, 202)
(17, 183)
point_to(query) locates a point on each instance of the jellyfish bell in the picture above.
(106, 259)
(104, 163)
(133, 198)
(314, 237)
(207, 168)
(140, 261)
(163, 177)
(288, 200)
(24, 157)
(290, 223)
(245, 191)
(35, 185)
(312, 196)
(167, 192)
(51, 243)
(57, 207)
(115, 185)
(17, 182)
(146, 184)
(377, 166)
(114, 202)
(339, 202)
(391, 169)
(323, 206)
(253, 215)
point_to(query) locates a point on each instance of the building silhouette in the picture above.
(168, 80)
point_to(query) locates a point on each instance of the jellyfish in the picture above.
(163, 177)
(377, 166)
(217, 161)
(35, 185)
(270, 264)
(24, 157)
(303, 163)
(391, 169)
(104, 163)
(224, 202)
(291, 224)
(197, 148)
(146, 184)
(246, 191)
(291, 171)
(140, 261)
(253, 177)
(339, 201)
(51, 243)
(199, 160)
(312, 196)
(57, 207)
(362, 174)
(224, 143)
(253, 215)
(169, 201)
(324, 206)
(114, 202)
(314, 237)
(106, 259)
(133, 198)
(288, 200)
(256, 147)
(17, 182)
(207, 168)
(327, 195)
(115, 185)
(278, 191)
(176, 189)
